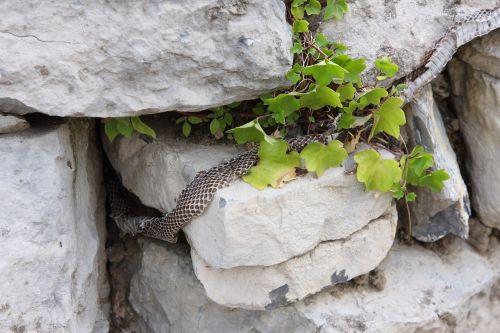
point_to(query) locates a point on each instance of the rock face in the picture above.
(52, 259)
(442, 292)
(115, 59)
(10, 124)
(329, 263)
(435, 215)
(475, 78)
(405, 30)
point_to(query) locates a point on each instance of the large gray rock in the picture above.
(405, 30)
(243, 226)
(52, 231)
(435, 215)
(457, 291)
(11, 124)
(475, 78)
(329, 263)
(111, 59)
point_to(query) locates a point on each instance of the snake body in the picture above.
(194, 198)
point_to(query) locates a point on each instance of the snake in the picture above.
(197, 195)
(194, 198)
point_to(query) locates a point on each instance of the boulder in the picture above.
(10, 124)
(115, 59)
(329, 263)
(455, 290)
(243, 226)
(52, 230)
(475, 79)
(435, 215)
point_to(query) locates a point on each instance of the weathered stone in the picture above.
(11, 124)
(52, 259)
(435, 215)
(243, 226)
(475, 82)
(479, 235)
(405, 30)
(329, 263)
(457, 292)
(122, 58)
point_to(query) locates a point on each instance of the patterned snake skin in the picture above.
(195, 197)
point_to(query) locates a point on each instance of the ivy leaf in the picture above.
(296, 48)
(124, 126)
(186, 129)
(410, 197)
(324, 72)
(250, 132)
(194, 120)
(319, 157)
(372, 97)
(346, 91)
(274, 165)
(319, 98)
(282, 106)
(141, 127)
(313, 7)
(228, 118)
(434, 180)
(335, 9)
(300, 26)
(386, 66)
(111, 130)
(388, 118)
(355, 67)
(321, 40)
(214, 126)
(375, 172)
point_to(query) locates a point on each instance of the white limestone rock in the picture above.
(52, 231)
(11, 124)
(426, 291)
(243, 226)
(111, 59)
(435, 215)
(329, 263)
(475, 79)
(405, 30)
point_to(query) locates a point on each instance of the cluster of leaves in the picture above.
(126, 126)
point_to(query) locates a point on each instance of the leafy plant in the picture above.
(126, 126)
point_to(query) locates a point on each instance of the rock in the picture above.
(52, 230)
(405, 30)
(116, 59)
(479, 236)
(329, 263)
(475, 82)
(425, 291)
(243, 226)
(10, 124)
(435, 215)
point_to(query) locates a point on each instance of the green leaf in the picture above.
(214, 126)
(250, 132)
(141, 127)
(234, 105)
(434, 180)
(300, 26)
(186, 129)
(194, 120)
(375, 172)
(335, 9)
(346, 91)
(313, 7)
(258, 109)
(386, 66)
(388, 118)
(324, 72)
(319, 157)
(321, 40)
(282, 106)
(319, 98)
(410, 197)
(180, 120)
(372, 97)
(340, 47)
(293, 76)
(296, 48)
(110, 129)
(124, 126)
(297, 12)
(274, 165)
(228, 118)
(355, 67)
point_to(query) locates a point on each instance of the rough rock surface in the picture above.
(454, 292)
(111, 59)
(52, 259)
(243, 226)
(10, 124)
(329, 263)
(475, 78)
(435, 215)
(405, 30)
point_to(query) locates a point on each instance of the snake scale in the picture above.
(194, 198)
(197, 195)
